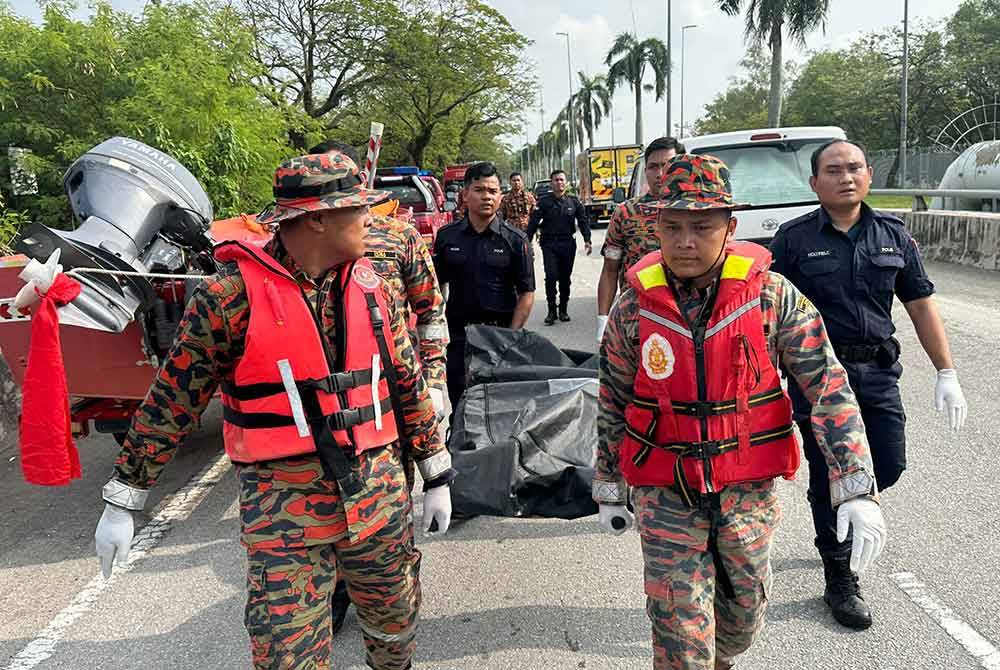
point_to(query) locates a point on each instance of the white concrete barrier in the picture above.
(966, 238)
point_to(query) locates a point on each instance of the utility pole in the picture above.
(571, 117)
(541, 133)
(612, 119)
(684, 29)
(903, 102)
(670, 73)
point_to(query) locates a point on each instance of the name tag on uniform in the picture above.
(815, 254)
(454, 248)
(888, 250)
(498, 251)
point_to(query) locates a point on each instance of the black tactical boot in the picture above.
(550, 318)
(563, 315)
(339, 602)
(843, 594)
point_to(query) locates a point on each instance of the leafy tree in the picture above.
(765, 22)
(178, 77)
(744, 104)
(594, 102)
(453, 57)
(633, 57)
(319, 56)
(974, 49)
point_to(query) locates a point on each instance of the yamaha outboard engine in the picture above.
(137, 210)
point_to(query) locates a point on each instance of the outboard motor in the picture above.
(137, 210)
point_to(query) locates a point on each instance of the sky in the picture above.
(713, 49)
(717, 41)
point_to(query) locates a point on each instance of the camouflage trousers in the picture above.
(289, 585)
(707, 571)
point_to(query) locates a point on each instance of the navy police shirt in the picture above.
(485, 272)
(852, 278)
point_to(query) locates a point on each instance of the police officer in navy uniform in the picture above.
(486, 268)
(850, 261)
(555, 216)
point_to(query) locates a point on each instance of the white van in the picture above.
(769, 169)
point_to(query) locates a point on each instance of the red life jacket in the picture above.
(284, 393)
(709, 410)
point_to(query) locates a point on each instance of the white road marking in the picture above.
(175, 507)
(980, 648)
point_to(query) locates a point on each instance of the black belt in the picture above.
(857, 353)
(885, 353)
(341, 420)
(334, 383)
(698, 450)
(708, 408)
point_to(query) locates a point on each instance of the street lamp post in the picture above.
(670, 73)
(903, 102)
(541, 132)
(684, 29)
(570, 118)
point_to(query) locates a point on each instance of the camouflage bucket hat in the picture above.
(317, 182)
(695, 182)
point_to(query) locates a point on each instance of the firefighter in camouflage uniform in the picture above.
(319, 385)
(399, 255)
(632, 231)
(516, 206)
(693, 417)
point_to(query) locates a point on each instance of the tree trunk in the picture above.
(417, 146)
(774, 96)
(590, 135)
(638, 112)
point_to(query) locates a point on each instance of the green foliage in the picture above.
(10, 223)
(177, 77)
(872, 65)
(456, 68)
(744, 104)
(593, 100)
(627, 61)
(857, 88)
(766, 22)
(974, 48)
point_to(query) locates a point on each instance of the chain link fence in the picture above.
(925, 166)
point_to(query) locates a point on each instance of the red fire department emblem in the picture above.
(365, 276)
(657, 357)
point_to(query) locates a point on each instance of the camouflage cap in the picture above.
(695, 182)
(317, 182)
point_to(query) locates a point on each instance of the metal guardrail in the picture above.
(919, 195)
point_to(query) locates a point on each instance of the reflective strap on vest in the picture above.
(341, 420)
(698, 450)
(701, 409)
(335, 383)
(389, 366)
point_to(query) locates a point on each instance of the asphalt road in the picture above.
(527, 593)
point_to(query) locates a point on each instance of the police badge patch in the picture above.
(657, 357)
(365, 276)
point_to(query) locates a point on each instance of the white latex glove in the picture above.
(865, 516)
(437, 397)
(602, 323)
(37, 276)
(614, 518)
(113, 537)
(437, 505)
(948, 397)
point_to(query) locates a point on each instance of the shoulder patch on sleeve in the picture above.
(804, 305)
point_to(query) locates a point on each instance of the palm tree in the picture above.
(765, 20)
(559, 138)
(630, 68)
(593, 101)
